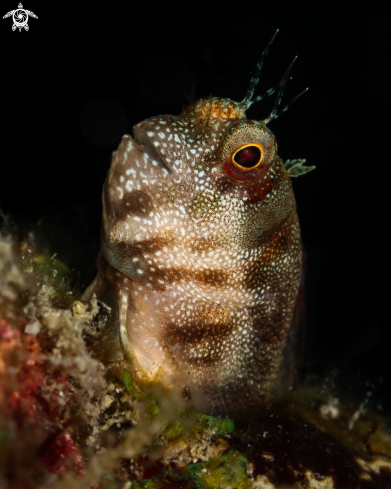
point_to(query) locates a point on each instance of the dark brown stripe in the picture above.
(198, 335)
(138, 203)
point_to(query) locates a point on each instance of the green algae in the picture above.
(173, 430)
(219, 426)
(130, 387)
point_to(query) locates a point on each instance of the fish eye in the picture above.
(248, 156)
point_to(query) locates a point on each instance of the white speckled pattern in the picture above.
(204, 254)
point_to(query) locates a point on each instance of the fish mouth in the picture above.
(145, 144)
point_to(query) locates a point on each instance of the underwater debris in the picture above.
(83, 416)
(227, 470)
(72, 415)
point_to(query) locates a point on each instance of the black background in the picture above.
(84, 75)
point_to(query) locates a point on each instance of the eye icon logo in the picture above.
(20, 17)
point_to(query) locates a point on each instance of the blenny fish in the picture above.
(200, 250)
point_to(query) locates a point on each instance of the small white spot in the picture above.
(120, 192)
(129, 185)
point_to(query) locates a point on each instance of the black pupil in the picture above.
(248, 157)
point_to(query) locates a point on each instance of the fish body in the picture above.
(201, 252)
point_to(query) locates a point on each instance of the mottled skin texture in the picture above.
(204, 256)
